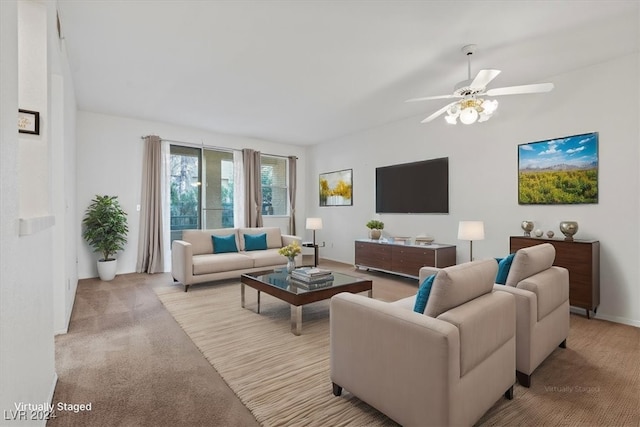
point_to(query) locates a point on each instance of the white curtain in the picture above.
(238, 190)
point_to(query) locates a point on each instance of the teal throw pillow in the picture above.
(504, 264)
(255, 242)
(423, 294)
(223, 244)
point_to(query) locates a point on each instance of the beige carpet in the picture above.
(284, 379)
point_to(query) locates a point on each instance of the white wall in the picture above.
(62, 108)
(110, 162)
(27, 371)
(483, 176)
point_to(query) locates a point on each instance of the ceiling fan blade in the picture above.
(483, 78)
(515, 90)
(437, 113)
(427, 98)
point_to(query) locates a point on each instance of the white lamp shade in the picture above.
(314, 223)
(471, 230)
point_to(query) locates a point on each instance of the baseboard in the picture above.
(618, 319)
(51, 393)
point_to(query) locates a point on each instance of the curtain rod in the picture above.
(201, 145)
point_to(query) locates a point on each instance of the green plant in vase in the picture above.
(375, 228)
(105, 229)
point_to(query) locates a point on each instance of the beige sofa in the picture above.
(193, 259)
(445, 367)
(542, 306)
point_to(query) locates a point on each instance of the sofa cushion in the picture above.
(255, 242)
(274, 236)
(216, 263)
(530, 261)
(224, 244)
(266, 258)
(504, 265)
(423, 294)
(201, 242)
(453, 286)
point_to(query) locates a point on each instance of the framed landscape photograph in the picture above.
(559, 171)
(336, 188)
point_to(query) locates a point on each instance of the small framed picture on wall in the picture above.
(29, 122)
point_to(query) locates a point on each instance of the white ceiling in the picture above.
(302, 72)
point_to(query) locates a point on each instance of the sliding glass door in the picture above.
(201, 189)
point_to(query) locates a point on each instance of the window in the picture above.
(273, 174)
(194, 205)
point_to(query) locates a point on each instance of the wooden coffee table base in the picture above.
(298, 300)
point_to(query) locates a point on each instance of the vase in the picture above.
(527, 226)
(568, 228)
(375, 234)
(291, 264)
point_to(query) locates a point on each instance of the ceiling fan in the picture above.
(469, 105)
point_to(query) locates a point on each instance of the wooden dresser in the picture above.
(402, 259)
(581, 258)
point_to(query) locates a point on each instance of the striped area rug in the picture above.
(283, 379)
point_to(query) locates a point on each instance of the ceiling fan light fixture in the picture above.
(451, 119)
(469, 115)
(490, 106)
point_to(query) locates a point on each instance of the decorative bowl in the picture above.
(527, 226)
(569, 229)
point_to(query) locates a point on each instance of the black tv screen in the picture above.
(417, 187)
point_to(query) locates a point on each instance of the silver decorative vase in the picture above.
(527, 226)
(291, 264)
(569, 229)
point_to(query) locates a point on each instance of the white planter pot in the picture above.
(107, 269)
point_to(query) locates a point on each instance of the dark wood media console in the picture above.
(402, 259)
(581, 258)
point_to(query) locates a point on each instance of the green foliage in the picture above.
(375, 224)
(105, 225)
(574, 186)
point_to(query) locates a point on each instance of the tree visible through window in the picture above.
(201, 189)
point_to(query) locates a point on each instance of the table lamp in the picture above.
(471, 230)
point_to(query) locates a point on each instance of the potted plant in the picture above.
(375, 228)
(105, 229)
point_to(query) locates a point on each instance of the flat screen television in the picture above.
(411, 188)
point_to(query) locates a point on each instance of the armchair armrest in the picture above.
(182, 262)
(551, 287)
(288, 239)
(401, 362)
(426, 272)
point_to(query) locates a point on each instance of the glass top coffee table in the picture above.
(279, 284)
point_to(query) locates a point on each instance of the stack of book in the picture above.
(312, 277)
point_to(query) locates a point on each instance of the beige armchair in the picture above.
(445, 367)
(542, 307)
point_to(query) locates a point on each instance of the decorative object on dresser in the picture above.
(538, 233)
(424, 240)
(471, 230)
(527, 226)
(582, 259)
(375, 228)
(401, 259)
(550, 234)
(569, 229)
